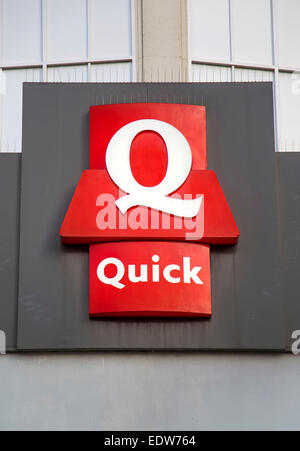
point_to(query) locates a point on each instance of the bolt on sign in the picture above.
(149, 209)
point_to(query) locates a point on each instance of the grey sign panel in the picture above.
(9, 245)
(288, 165)
(241, 150)
(53, 291)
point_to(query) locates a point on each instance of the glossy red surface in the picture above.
(142, 233)
(106, 120)
(80, 224)
(151, 298)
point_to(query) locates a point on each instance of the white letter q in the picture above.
(116, 280)
(179, 167)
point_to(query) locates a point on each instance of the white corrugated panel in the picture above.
(252, 75)
(207, 73)
(116, 72)
(289, 112)
(68, 74)
(12, 106)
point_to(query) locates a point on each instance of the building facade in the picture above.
(150, 41)
(172, 40)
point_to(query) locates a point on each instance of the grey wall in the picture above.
(53, 279)
(149, 391)
(113, 391)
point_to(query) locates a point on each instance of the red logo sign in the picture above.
(149, 185)
(149, 278)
